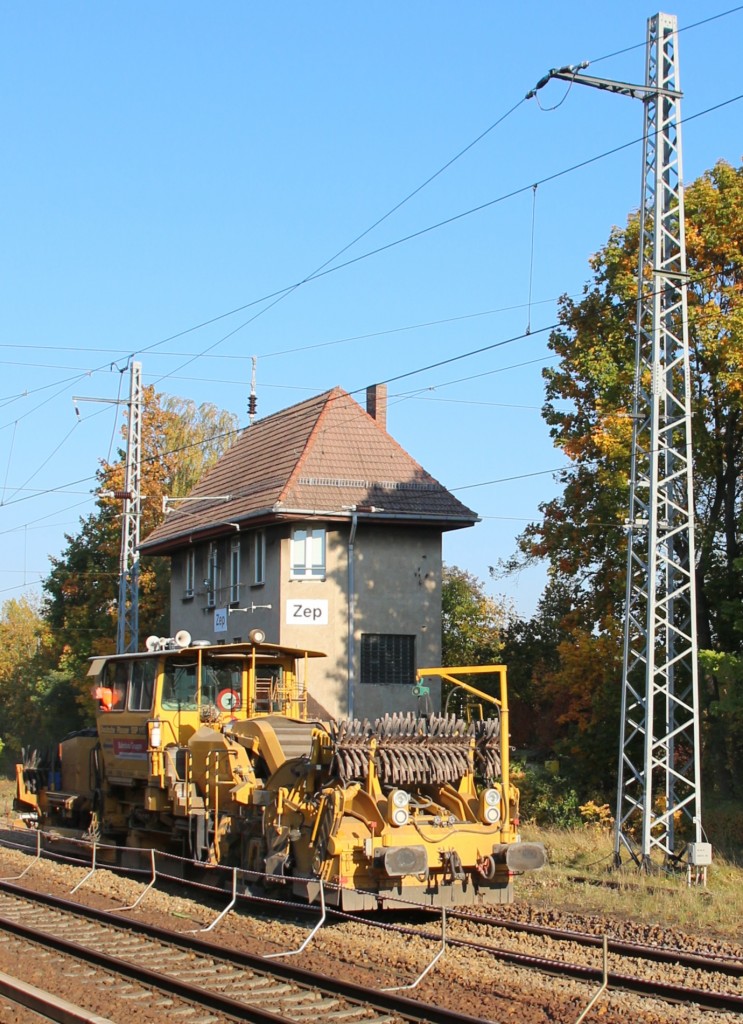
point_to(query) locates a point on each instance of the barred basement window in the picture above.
(387, 658)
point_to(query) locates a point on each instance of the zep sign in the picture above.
(305, 612)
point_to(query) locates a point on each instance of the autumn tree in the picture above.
(530, 650)
(588, 409)
(196, 436)
(179, 442)
(34, 697)
(21, 632)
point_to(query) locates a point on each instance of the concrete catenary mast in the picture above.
(659, 765)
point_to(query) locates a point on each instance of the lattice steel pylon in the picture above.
(659, 765)
(659, 761)
(128, 610)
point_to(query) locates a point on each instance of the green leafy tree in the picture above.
(725, 717)
(588, 409)
(473, 624)
(531, 652)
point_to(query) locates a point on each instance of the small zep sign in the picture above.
(306, 612)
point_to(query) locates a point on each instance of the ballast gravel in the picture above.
(471, 982)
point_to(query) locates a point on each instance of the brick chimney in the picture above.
(376, 403)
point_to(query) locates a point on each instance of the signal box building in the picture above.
(318, 528)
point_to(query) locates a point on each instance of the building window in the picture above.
(308, 553)
(212, 569)
(235, 571)
(190, 573)
(387, 658)
(258, 559)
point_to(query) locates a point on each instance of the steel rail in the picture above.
(707, 998)
(676, 993)
(670, 954)
(143, 975)
(361, 996)
(45, 1004)
(693, 961)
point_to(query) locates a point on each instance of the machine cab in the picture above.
(179, 686)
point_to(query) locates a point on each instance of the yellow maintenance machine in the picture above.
(206, 751)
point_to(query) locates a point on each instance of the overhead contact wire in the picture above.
(628, 303)
(321, 270)
(683, 28)
(531, 256)
(416, 234)
(10, 457)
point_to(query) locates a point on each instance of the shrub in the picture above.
(546, 799)
(597, 816)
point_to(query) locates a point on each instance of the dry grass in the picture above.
(7, 792)
(655, 900)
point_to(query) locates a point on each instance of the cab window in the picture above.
(221, 683)
(111, 690)
(269, 687)
(142, 686)
(179, 686)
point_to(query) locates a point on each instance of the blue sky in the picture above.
(166, 163)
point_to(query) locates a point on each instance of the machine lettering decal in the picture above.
(130, 749)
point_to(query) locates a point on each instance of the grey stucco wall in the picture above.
(397, 577)
(191, 613)
(397, 590)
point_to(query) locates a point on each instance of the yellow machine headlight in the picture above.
(490, 806)
(400, 816)
(155, 733)
(398, 807)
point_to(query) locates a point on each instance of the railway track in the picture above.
(234, 985)
(731, 966)
(29, 1004)
(713, 982)
(710, 962)
(714, 971)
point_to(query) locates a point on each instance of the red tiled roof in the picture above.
(316, 458)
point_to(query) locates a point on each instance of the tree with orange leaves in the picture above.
(581, 534)
(179, 442)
